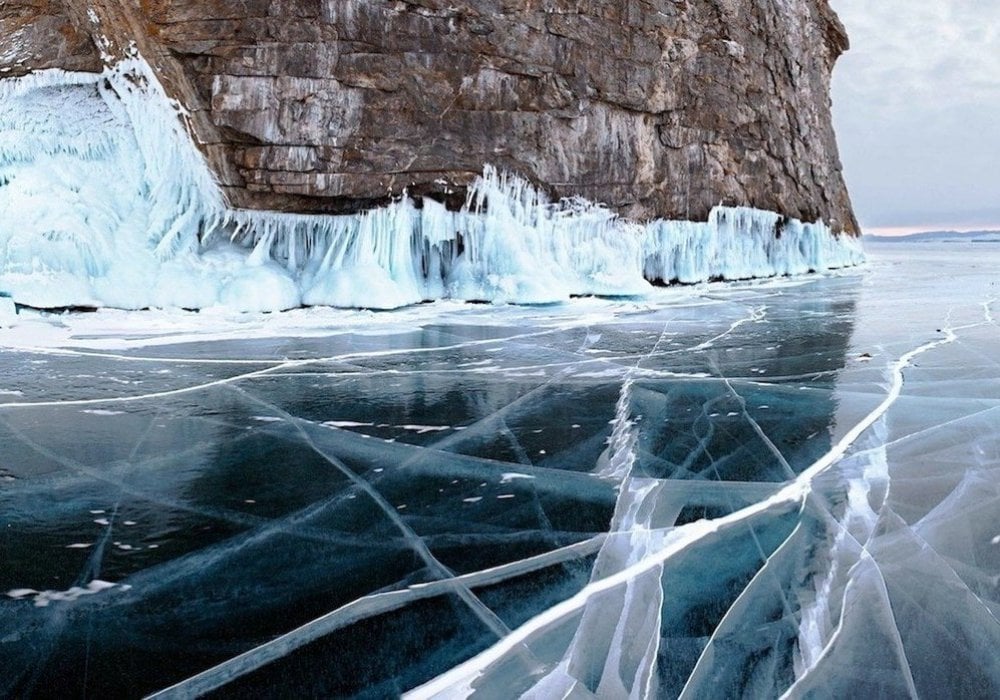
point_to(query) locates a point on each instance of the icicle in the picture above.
(105, 201)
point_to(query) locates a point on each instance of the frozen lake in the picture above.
(748, 489)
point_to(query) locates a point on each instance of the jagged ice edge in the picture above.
(171, 241)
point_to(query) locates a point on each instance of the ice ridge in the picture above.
(106, 202)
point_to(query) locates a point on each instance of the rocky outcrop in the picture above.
(39, 34)
(658, 108)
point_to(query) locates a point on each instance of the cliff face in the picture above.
(658, 108)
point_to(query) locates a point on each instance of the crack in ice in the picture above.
(458, 680)
(485, 615)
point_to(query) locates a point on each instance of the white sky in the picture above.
(917, 111)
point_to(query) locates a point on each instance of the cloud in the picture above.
(934, 50)
(917, 109)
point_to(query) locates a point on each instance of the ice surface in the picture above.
(779, 488)
(8, 312)
(105, 202)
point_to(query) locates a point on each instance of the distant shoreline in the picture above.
(939, 237)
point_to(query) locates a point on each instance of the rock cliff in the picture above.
(657, 108)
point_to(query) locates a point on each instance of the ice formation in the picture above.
(8, 312)
(105, 201)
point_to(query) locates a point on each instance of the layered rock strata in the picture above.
(657, 108)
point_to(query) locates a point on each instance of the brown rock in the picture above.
(658, 108)
(38, 34)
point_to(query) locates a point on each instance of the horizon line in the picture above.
(898, 231)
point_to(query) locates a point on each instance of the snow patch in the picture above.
(43, 599)
(346, 424)
(514, 476)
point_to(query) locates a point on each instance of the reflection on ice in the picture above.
(772, 489)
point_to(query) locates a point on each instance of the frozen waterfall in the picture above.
(105, 201)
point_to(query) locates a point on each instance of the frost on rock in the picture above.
(105, 201)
